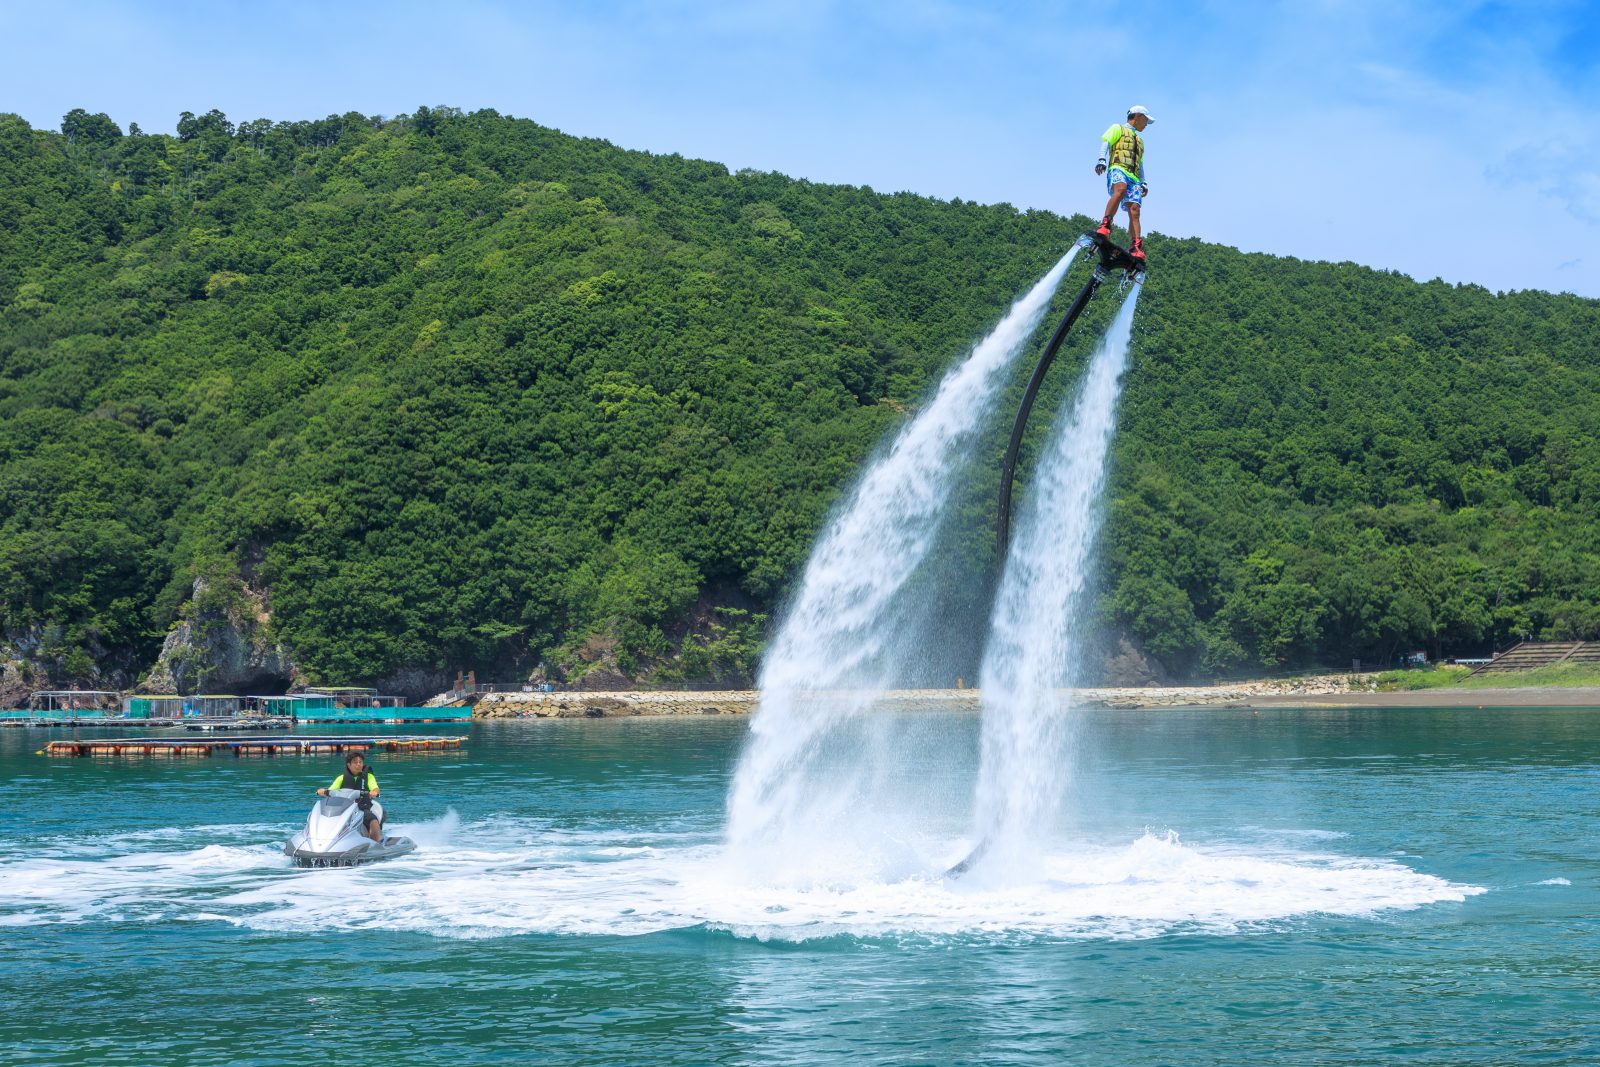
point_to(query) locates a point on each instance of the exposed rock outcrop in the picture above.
(20, 670)
(36, 657)
(14, 684)
(1123, 663)
(413, 683)
(223, 644)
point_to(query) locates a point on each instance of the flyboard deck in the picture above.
(1114, 257)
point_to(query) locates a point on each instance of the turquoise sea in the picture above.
(1227, 887)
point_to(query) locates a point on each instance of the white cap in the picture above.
(1140, 109)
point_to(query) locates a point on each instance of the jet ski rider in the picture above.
(356, 776)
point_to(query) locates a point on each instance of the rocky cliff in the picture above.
(222, 644)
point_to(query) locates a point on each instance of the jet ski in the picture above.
(334, 835)
(972, 859)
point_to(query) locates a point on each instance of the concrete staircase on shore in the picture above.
(1530, 654)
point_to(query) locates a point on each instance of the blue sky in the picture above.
(1456, 140)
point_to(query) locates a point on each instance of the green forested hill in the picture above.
(456, 389)
(462, 391)
(1320, 461)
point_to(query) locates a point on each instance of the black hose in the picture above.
(1009, 470)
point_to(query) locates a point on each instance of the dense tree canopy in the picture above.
(1321, 461)
(460, 390)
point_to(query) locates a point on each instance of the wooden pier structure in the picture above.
(247, 746)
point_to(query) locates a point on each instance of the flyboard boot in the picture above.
(1105, 227)
(1136, 251)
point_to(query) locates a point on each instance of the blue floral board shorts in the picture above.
(1135, 193)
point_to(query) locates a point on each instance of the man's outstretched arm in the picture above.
(1107, 141)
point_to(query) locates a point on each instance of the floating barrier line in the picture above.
(246, 746)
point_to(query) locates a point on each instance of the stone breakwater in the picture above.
(610, 705)
(1237, 694)
(744, 702)
(658, 704)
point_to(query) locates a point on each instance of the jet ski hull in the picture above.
(371, 852)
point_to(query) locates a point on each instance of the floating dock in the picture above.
(356, 717)
(121, 722)
(384, 716)
(247, 746)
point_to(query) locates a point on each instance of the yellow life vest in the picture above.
(1128, 152)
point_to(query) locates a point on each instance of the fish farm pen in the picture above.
(66, 707)
(209, 711)
(355, 706)
(247, 746)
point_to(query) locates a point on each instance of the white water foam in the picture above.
(436, 833)
(1037, 628)
(841, 641)
(512, 877)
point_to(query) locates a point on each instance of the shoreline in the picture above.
(1322, 692)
